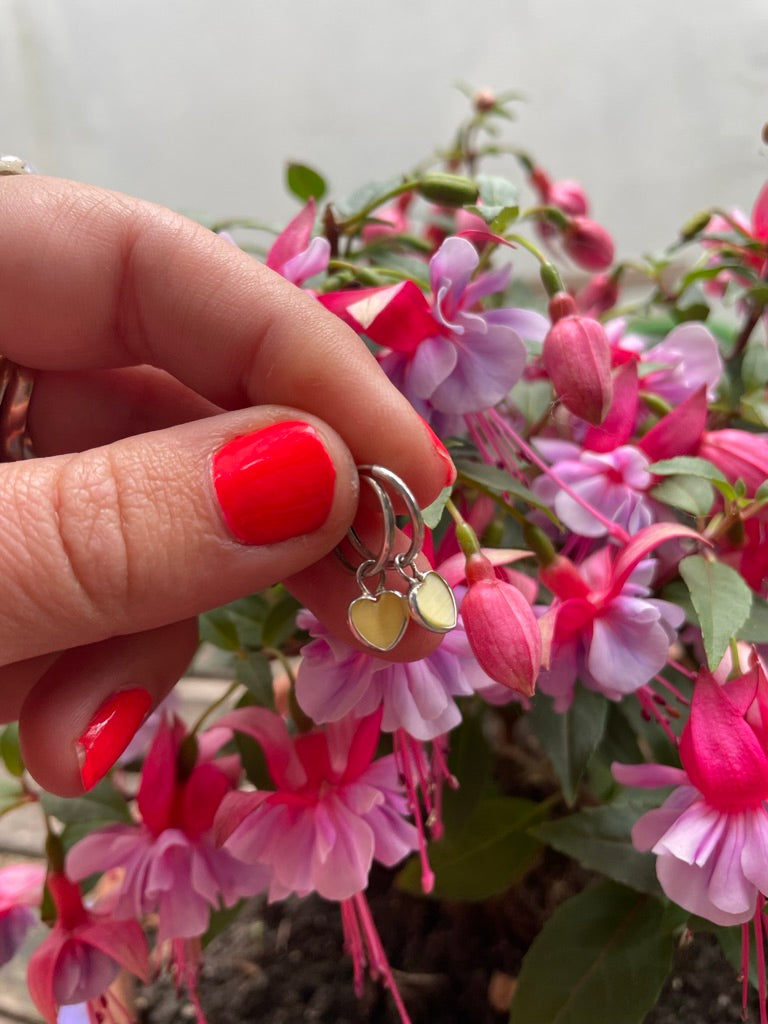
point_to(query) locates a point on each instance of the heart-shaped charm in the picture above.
(379, 620)
(432, 602)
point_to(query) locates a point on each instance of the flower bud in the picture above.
(501, 628)
(588, 244)
(569, 196)
(599, 295)
(577, 357)
(447, 189)
(739, 454)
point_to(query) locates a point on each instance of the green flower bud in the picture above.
(447, 189)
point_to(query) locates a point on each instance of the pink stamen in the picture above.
(744, 972)
(504, 439)
(377, 956)
(681, 669)
(353, 943)
(645, 695)
(760, 955)
(404, 758)
(673, 690)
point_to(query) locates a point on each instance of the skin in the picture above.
(154, 343)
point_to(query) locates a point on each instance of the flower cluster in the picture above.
(606, 541)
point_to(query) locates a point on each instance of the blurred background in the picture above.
(656, 107)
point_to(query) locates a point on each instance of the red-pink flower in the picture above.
(711, 834)
(82, 956)
(294, 253)
(172, 866)
(588, 244)
(334, 811)
(739, 454)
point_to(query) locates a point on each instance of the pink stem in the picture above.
(353, 942)
(760, 955)
(427, 874)
(744, 969)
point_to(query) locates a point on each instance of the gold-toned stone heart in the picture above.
(378, 620)
(432, 603)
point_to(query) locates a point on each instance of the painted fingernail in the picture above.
(275, 483)
(109, 732)
(442, 451)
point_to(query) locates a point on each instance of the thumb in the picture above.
(160, 526)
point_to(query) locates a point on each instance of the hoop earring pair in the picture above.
(379, 616)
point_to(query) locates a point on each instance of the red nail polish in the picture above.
(442, 451)
(109, 732)
(275, 483)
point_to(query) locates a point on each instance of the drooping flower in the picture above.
(710, 836)
(82, 956)
(588, 244)
(21, 889)
(171, 864)
(334, 811)
(606, 630)
(446, 356)
(294, 253)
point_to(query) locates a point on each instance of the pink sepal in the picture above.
(619, 423)
(271, 733)
(293, 239)
(641, 545)
(396, 316)
(760, 215)
(648, 776)
(680, 431)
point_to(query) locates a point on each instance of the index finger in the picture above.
(95, 279)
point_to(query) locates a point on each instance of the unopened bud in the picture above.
(577, 358)
(569, 196)
(484, 100)
(502, 632)
(696, 224)
(588, 244)
(599, 295)
(447, 189)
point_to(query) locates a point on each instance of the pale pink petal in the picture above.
(648, 775)
(688, 885)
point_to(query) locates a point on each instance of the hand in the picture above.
(143, 328)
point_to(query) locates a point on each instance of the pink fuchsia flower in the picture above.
(389, 220)
(567, 195)
(172, 866)
(447, 357)
(613, 483)
(603, 626)
(295, 254)
(501, 628)
(577, 358)
(711, 834)
(21, 889)
(334, 811)
(82, 956)
(678, 366)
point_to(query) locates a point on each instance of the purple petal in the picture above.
(489, 364)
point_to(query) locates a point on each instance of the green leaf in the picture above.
(10, 751)
(433, 513)
(254, 671)
(722, 600)
(754, 366)
(217, 628)
(471, 762)
(753, 407)
(280, 622)
(688, 493)
(755, 629)
(602, 958)
(689, 465)
(490, 852)
(569, 739)
(496, 481)
(103, 803)
(12, 795)
(498, 206)
(599, 838)
(304, 182)
(220, 920)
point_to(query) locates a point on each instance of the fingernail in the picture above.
(109, 732)
(275, 483)
(442, 451)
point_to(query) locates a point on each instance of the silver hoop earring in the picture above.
(378, 618)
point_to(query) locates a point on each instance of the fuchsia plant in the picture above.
(606, 539)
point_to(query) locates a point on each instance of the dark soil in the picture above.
(454, 964)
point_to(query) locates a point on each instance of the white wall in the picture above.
(656, 106)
